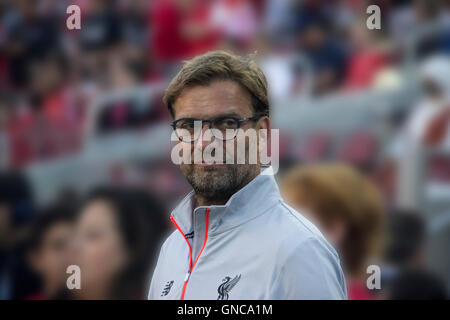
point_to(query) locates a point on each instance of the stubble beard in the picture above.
(216, 184)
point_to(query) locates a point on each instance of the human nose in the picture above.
(206, 137)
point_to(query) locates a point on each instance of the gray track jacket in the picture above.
(253, 247)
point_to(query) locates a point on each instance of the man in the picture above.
(235, 237)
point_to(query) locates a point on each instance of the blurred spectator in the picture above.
(326, 54)
(406, 242)
(16, 210)
(237, 20)
(199, 29)
(16, 194)
(369, 56)
(29, 34)
(168, 42)
(134, 20)
(183, 29)
(408, 17)
(4, 154)
(405, 274)
(348, 209)
(19, 135)
(416, 285)
(426, 126)
(47, 250)
(435, 73)
(118, 234)
(100, 26)
(278, 20)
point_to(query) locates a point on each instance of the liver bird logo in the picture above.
(226, 286)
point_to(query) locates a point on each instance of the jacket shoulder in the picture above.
(305, 258)
(299, 230)
(173, 239)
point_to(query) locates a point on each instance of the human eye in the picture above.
(187, 124)
(225, 123)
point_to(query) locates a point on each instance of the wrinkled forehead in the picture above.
(209, 101)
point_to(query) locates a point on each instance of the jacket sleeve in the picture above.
(310, 271)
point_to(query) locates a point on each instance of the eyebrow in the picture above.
(231, 114)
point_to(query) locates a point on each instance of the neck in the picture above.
(206, 202)
(220, 199)
(94, 293)
(50, 289)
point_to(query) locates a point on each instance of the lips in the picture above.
(205, 164)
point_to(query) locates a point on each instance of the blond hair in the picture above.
(220, 65)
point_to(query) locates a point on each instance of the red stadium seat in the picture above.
(315, 147)
(359, 149)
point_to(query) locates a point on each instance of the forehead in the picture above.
(58, 228)
(96, 211)
(219, 97)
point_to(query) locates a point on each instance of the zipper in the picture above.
(191, 265)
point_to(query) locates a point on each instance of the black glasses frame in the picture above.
(210, 121)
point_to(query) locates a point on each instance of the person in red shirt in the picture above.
(202, 35)
(18, 133)
(181, 29)
(168, 43)
(369, 57)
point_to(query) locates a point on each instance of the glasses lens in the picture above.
(226, 126)
(223, 124)
(223, 128)
(184, 130)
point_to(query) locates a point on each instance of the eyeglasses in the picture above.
(185, 127)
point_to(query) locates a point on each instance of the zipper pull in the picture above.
(187, 276)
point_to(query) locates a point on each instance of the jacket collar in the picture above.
(249, 202)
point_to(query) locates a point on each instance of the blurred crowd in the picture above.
(51, 76)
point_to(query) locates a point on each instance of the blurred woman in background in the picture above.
(47, 250)
(117, 234)
(347, 208)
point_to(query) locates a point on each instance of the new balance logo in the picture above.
(167, 288)
(189, 235)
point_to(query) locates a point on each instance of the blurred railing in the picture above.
(106, 142)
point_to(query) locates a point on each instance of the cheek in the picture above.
(53, 264)
(102, 257)
(187, 169)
